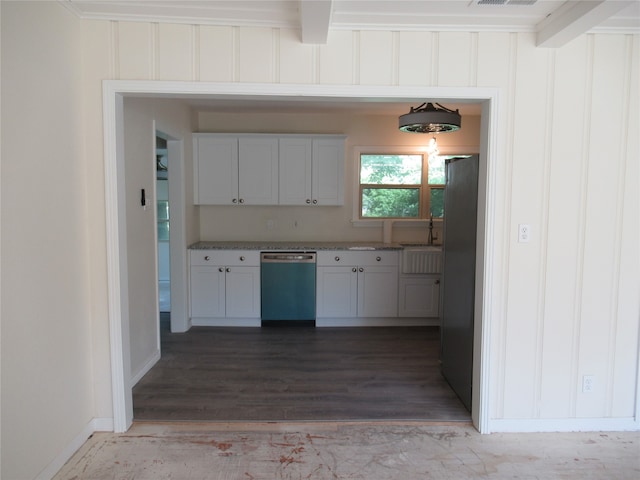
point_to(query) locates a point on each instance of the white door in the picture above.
(207, 291)
(258, 171)
(216, 170)
(243, 292)
(295, 171)
(377, 291)
(328, 171)
(337, 292)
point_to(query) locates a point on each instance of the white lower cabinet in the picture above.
(224, 285)
(357, 284)
(419, 296)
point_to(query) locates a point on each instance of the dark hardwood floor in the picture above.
(297, 373)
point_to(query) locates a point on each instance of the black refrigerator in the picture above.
(458, 274)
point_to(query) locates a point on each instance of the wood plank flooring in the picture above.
(297, 373)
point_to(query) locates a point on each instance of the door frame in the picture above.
(486, 301)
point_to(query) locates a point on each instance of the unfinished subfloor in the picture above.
(341, 450)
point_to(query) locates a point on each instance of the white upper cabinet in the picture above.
(295, 171)
(312, 170)
(233, 170)
(258, 170)
(266, 169)
(215, 170)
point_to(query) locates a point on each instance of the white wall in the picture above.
(567, 163)
(47, 381)
(567, 302)
(322, 223)
(141, 120)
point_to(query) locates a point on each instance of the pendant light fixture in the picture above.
(429, 118)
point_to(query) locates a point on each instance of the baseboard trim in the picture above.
(95, 425)
(376, 322)
(563, 425)
(225, 322)
(147, 366)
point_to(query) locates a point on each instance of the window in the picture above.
(407, 186)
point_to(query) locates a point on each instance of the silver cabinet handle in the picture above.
(308, 201)
(361, 269)
(354, 269)
(378, 259)
(221, 269)
(228, 269)
(242, 258)
(315, 202)
(437, 282)
(235, 200)
(337, 259)
(207, 258)
(242, 200)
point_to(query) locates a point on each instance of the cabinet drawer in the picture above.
(250, 258)
(349, 257)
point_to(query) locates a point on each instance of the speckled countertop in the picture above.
(293, 245)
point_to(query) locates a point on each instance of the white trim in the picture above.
(486, 302)
(117, 275)
(225, 322)
(102, 424)
(378, 322)
(95, 425)
(113, 90)
(564, 425)
(177, 236)
(153, 359)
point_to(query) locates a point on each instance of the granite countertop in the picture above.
(294, 245)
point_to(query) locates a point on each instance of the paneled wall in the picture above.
(566, 304)
(567, 164)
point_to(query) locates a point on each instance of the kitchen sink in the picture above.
(421, 258)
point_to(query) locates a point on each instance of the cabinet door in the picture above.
(243, 292)
(378, 291)
(419, 296)
(215, 170)
(328, 171)
(258, 171)
(337, 292)
(207, 291)
(295, 171)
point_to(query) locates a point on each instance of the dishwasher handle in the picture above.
(288, 258)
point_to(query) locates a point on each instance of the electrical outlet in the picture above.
(524, 233)
(588, 383)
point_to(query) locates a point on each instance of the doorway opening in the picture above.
(163, 226)
(114, 92)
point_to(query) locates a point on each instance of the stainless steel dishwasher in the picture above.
(288, 286)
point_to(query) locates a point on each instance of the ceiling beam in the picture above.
(576, 18)
(315, 17)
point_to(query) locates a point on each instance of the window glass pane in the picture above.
(436, 170)
(437, 202)
(163, 231)
(390, 202)
(391, 169)
(163, 210)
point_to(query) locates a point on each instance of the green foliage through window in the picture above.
(401, 186)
